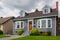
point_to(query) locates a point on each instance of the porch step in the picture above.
(26, 33)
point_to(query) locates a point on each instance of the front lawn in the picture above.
(2, 36)
(39, 38)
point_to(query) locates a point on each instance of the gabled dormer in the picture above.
(46, 9)
(22, 13)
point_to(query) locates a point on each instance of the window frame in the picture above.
(16, 24)
(47, 12)
(23, 25)
(46, 23)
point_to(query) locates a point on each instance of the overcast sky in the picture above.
(13, 7)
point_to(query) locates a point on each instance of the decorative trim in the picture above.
(46, 22)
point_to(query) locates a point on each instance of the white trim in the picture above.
(28, 23)
(46, 22)
(23, 25)
(35, 17)
(16, 23)
(55, 26)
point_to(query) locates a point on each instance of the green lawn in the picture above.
(39, 38)
(2, 36)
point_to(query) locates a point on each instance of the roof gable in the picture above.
(3, 20)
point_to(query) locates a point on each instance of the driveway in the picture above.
(11, 37)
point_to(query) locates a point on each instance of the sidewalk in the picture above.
(11, 37)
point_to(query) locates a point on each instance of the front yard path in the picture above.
(11, 37)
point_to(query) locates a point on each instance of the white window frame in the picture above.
(46, 23)
(23, 25)
(16, 23)
(41, 23)
(46, 9)
(51, 23)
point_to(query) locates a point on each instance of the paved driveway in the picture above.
(11, 37)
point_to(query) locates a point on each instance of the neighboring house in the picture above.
(45, 20)
(6, 25)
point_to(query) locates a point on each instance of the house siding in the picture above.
(53, 29)
(1, 27)
(8, 27)
(25, 27)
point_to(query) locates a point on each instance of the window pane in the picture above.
(43, 23)
(21, 24)
(46, 10)
(38, 24)
(49, 23)
(18, 25)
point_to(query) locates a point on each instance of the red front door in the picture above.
(30, 25)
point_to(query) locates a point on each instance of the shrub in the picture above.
(34, 32)
(49, 33)
(1, 32)
(46, 33)
(19, 32)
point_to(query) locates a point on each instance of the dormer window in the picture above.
(22, 13)
(46, 9)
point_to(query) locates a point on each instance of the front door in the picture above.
(30, 25)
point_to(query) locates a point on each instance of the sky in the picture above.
(13, 7)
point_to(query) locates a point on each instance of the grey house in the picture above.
(45, 20)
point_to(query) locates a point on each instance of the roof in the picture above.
(3, 20)
(39, 14)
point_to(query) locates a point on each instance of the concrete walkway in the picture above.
(11, 37)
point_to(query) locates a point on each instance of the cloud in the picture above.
(59, 8)
(9, 7)
(25, 4)
(5, 11)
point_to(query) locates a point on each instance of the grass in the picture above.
(2, 36)
(39, 38)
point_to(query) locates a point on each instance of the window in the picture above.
(18, 25)
(46, 10)
(43, 22)
(22, 24)
(38, 23)
(49, 23)
(22, 13)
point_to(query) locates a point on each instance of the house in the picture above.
(6, 25)
(45, 20)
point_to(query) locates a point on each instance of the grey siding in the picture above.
(53, 29)
(25, 27)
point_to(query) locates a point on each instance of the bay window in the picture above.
(38, 23)
(44, 23)
(49, 23)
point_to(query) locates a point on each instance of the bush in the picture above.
(1, 32)
(49, 33)
(19, 32)
(46, 33)
(34, 32)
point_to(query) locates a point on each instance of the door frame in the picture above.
(28, 23)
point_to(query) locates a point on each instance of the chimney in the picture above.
(57, 5)
(1, 17)
(36, 10)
